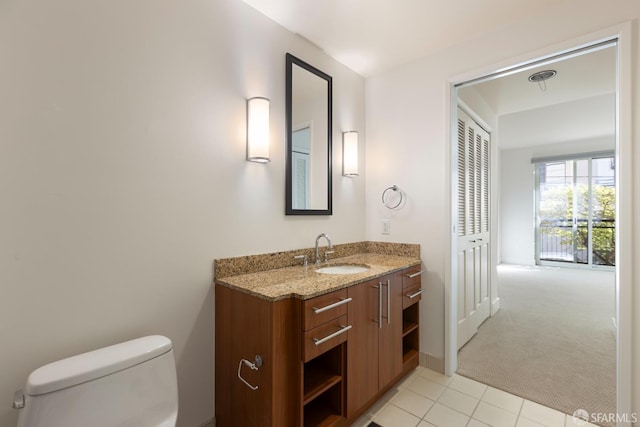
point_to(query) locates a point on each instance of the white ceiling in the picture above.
(370, 36)
(579, 77)
(581, 120)
(577, 104)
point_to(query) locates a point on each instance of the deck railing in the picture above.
(558, 242)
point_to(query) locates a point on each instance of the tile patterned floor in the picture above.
(427, 398)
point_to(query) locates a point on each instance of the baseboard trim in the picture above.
(431, 362)
(495, 306)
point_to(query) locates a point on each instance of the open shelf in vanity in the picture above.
(412, 294)
(324, 388)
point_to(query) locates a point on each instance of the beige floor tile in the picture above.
(412, 402)
(459, 401)
(390, 394)
(436, 377)
(441, 416)
(407, 402)
(392, 416)
(523, 422)
(408, 378)
(503, 400)
(376, 408)
(542, 415)
(468, 386)
(382, 402)
(363, 421)
(494, 416)
(426, 388)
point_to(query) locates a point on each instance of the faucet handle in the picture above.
(305, 261)
(326, 255)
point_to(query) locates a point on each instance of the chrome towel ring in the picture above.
(388, 199)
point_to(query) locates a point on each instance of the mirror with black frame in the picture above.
(308, 115)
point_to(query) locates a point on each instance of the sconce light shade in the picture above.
(350, 154)
(258, 130)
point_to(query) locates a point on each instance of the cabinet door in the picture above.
(390, 338)
(362, 344)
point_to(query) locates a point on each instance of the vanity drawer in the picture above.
(411, 295)
(412, 277)
(324, 337)
(324, 308)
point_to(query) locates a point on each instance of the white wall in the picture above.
(407, 132)
(517, 202)
(123, 175)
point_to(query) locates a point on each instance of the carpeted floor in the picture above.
(552, 341)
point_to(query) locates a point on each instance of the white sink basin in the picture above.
(343, 269)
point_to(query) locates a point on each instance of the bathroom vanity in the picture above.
(296, 347)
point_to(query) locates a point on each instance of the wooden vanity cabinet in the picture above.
(325, 360)
(374, 344)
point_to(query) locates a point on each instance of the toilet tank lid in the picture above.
(95, 364)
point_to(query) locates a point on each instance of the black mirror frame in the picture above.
(290, 61)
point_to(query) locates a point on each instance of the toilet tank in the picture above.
(125, 385)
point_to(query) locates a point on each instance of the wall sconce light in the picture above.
(258, 130)
(350, 154)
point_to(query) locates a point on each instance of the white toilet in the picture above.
(132, 384)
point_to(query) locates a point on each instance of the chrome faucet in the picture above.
(317, 252)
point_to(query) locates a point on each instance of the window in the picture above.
(575, 210)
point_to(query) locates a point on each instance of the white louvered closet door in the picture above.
(472, 227)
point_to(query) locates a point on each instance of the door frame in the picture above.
(624, 180)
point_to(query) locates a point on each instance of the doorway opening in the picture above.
(622, 144)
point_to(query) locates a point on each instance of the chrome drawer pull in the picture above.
(342, 330)
(412, 296)
(411, 276)
(330, 306)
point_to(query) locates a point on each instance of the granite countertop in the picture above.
(304, 282)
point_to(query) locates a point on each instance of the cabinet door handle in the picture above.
(388, 302)
(379, 288)
(342, 330)
(330, 306)
(415, 294)
(411, 276)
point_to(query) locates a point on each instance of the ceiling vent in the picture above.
(541, 78)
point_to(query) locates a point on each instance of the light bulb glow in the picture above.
(258, 130)
(350, 154)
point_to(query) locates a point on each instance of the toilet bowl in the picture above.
(131, 384)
